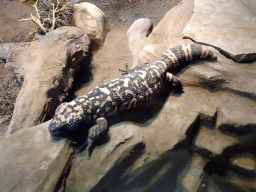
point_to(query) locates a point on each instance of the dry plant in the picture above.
(8, 96)
(51, 15)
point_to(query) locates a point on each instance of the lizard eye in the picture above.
(52, 126)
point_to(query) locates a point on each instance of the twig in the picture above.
(53, 14)
(49, 23)
(37, 19)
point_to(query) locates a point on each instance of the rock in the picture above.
(137, 34)
(31, 161)
(170, 128)
(245, 164)
(7, 49)
(237, 117)
(193, 175)
(191, 141)
(160, 40)
(211, 142)
(147, 55)
(4, 122)
(48, 67)
(224, 74)
(125, 146)
(93, 22)
(228, 26)
(142, 26)
(214, 118)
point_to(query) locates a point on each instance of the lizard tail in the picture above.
(184, 53)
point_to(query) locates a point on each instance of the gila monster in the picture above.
(128, 91)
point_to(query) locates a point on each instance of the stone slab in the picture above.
(229, 26)
(31, 161)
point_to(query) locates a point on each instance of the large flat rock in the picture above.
(230, 26)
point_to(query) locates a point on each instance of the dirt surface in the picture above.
(115, 51)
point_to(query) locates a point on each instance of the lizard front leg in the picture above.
(136, 68)
(95, 132)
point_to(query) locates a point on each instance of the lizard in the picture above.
(130, 90)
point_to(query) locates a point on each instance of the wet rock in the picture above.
(47, 67)
(93, 22)
(31, 161)
(233, 182)
(229, 26)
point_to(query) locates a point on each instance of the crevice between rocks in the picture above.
(191, 134)
(61, 184)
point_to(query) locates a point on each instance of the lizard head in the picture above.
(67, 117)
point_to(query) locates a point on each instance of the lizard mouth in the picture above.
(55, 133)
(56, 138)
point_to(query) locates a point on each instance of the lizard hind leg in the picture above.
(95, 132)
(174, 81)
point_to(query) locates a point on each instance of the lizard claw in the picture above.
(124, 71)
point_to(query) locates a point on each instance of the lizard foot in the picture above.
(124, 71)
(95, 132)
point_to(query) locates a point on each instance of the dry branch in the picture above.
(58, 15)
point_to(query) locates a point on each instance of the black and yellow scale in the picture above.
(139, 85)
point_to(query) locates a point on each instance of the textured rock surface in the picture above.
(228, 25)
(126, 144)
(200, 140)
(160, 40)
(47, 67)
(214, 119)
(7, 48)
(92, 21)
(137, 34)
(192, 175)
(31, 161)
